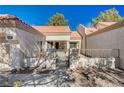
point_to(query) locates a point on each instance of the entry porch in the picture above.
(58, 45)
(62, 45)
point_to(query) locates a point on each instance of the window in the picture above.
(49, 45)
(9, 37)
(73, 44)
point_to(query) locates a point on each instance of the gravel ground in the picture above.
(68, 78)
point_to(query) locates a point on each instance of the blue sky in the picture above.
(75, 14)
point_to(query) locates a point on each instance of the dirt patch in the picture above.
(93, 77)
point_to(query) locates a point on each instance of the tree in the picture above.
(57, 20)
(111, 15)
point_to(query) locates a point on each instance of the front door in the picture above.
(57, 45)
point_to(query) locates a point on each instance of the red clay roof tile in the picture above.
(7, 16)
(52, 29)
(75, 35)
(98, 27)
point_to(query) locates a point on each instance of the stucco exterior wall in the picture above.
(8, 31)
(4, 57)
(58, 38)
(28, 41)
(25, 42)
(79, 42)
(113, 39)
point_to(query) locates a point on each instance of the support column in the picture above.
(79, 47)
(45, 46)
(68, 46)
(54, 44)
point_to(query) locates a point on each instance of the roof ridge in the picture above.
(8, 16)
(53, 29)
(109, 28)
(50, 26)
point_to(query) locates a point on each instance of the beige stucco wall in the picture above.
(81, 31)
(77, 41)
(9, 31)
(108, 40)
(26, 42)
(58, 38)
(29, 41)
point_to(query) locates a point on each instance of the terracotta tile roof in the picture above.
(107, 23)
(53, 29)
(102, 25)
(7, 16)
(98, 27)
(109, 28)
(75, 35)
(90, 30)
(8, 20)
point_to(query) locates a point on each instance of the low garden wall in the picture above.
(87, 62)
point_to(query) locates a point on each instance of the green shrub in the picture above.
(17, 83)
(5, 83)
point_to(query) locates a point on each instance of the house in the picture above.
(15, 31)
(27, 41)
(46, 37)
(107, 39)
(21, 39)
(60, 38)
